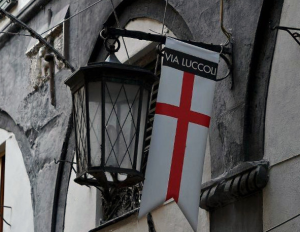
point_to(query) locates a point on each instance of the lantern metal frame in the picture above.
(109, 72)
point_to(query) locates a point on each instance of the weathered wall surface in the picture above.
(15, 10)
(282, 148)
(39, 127)
(81, 203)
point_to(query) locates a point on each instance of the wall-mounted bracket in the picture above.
(159, 39)
(295, 35)
(66, 161)
(225, 51)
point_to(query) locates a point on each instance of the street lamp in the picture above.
(110, 110)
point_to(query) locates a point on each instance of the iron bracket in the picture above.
(295, 35)
(65, 161)
(109, 33)
(116, 32)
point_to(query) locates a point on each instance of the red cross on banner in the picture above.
(182, 118)
(184, 115)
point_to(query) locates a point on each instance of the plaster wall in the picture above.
(281, 197)
(282, 129)
(282, 124)
(80, 208)
(17, 192)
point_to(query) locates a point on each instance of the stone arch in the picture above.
(131, 10)
(7, 123)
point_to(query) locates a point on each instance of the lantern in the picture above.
(110, 110)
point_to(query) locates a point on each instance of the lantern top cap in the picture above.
(96, 71)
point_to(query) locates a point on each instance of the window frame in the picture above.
(2, 182)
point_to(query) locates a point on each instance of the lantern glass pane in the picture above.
(121, 121)
(95, 109)
(81, 131)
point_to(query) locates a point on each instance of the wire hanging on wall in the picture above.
(118, 24)
(159, 47)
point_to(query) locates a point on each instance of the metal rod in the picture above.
(282, 223)
(162, 33)
(288, 30)
(87, 122)
(4, 206)
(162, 39)
(138, 128)
(103, 123)
(37, 36)
(5, 220)
(65, 161)
(165, 12)
(118, 23)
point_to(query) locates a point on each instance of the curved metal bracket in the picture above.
(228, 62)
(65, 161)
(295, 35)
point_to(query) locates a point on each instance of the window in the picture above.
(7, 5)
(2, 171)
(15, 190)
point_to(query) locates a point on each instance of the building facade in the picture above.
(250, 180)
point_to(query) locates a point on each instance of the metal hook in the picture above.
(101, 34)
(160, 49)
(229, 65)
(65, 161)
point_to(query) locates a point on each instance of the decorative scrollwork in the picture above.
(295, 35)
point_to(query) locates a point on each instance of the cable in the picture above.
(162, 33)
(283, 223)
(118, 24)
(115, 14)
(67, 19)
(11, 33)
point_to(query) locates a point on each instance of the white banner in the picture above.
(181, 122)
